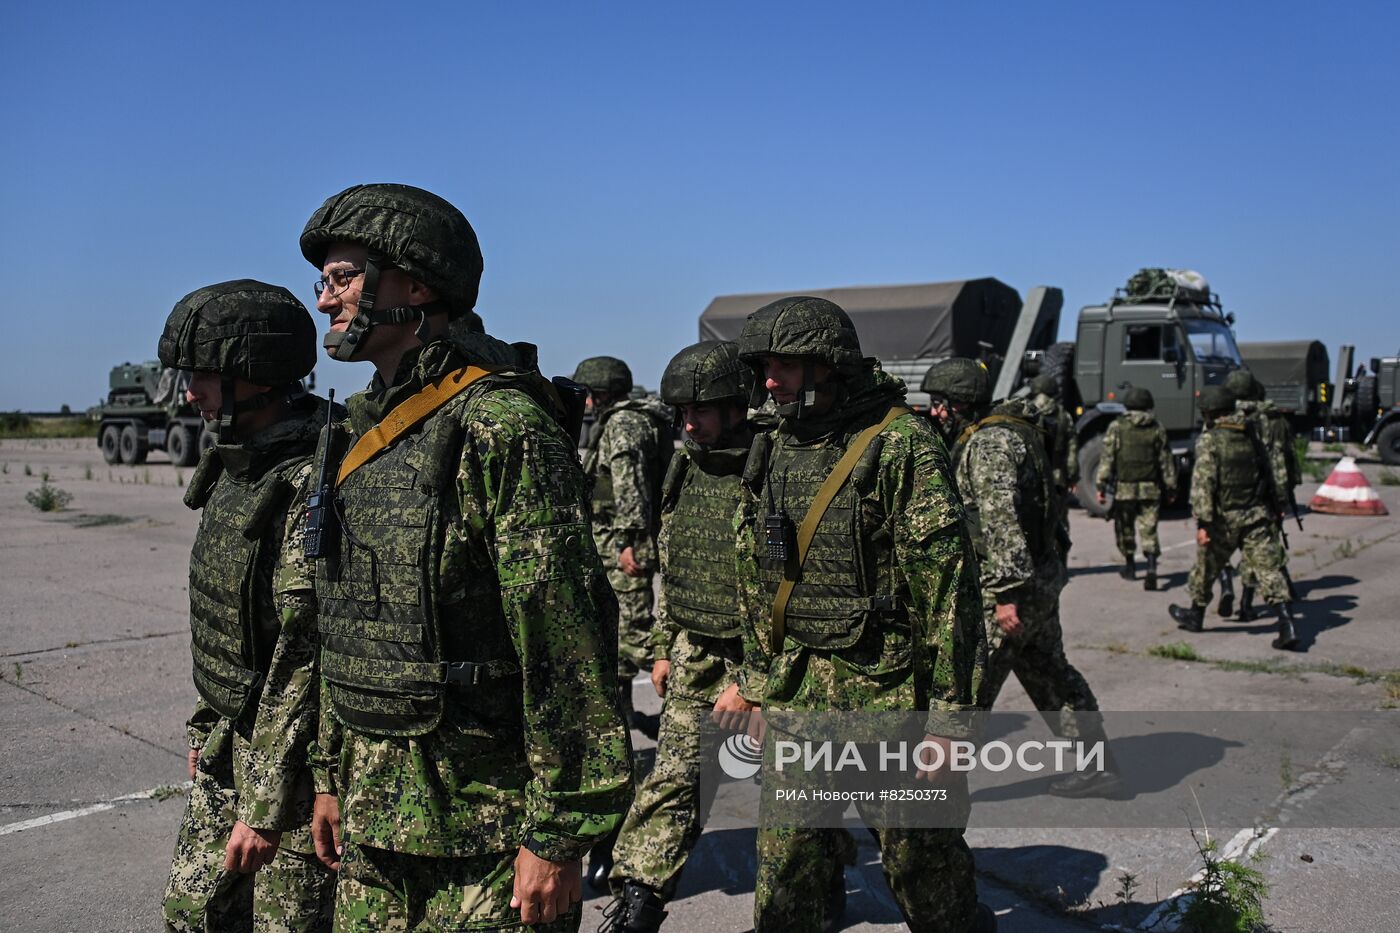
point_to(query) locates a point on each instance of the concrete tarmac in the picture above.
(95, 688)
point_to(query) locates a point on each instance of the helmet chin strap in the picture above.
(230, 409)
(349, 344)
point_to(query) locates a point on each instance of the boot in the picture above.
(835, 900)
(1227, 593)
(1129, 571)
(600, 863)
(1149, 582)
(1193, 619)
(985, 921)
(1246, 613)
(638, 910)
(1105, 783)
(1287, 639)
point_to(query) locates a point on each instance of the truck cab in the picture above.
(1385, 433)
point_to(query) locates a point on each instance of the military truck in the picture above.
(1384, 432)
(146, 410)
(1166, 331)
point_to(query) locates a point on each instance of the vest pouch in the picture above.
(831, 624)
(1137, 455)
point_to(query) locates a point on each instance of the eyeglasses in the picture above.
(337, 281)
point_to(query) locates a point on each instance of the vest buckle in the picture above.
(465, 673)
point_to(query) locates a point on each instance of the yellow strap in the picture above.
(808, 530)
(406, 415)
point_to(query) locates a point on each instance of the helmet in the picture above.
(1045, 384)
(959, 379)
(241, 329)
(1138, 399)
(604, 374)
(807, 327)
(707, 371)
(1242, 384)
(406, 228)
(1215, 398)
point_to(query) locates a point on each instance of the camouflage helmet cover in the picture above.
(1243, 385)
(802, 326)
(1045, 384)
(413, 229)
(1138, 398)
(1215, 398)
(958, 379)
(243, 328)
(708, 371)
(604, 373)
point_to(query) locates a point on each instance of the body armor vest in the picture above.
(233, 622)
(839, 587)
(601, 474)
(701, 577)
(1035, 495)
(1137, 453)
(1239, 473)
(394, 633)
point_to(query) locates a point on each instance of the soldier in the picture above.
(629, 450)
(1272, 427)
(889, 619)
(1236, 508)
(696, 638)
(1004, 477)
(245, 347)
(470, 731)
(1063, 447)
(1137, 465)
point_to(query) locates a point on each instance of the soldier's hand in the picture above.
(1008, 619)
(193, 761)
(660, 673)
(325, 830)
(250, 849)
(732, 710)
(627, 560)
(929, 757)
(545, 890)
(1202, 537)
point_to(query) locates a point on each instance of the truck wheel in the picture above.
(133, 448)
(207, 439)
(1388, 443)
(180, 445)
(1364, 412)
(1088, 492)
(1058, 364)
(110, 442)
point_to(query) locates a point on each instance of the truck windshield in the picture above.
(1211, 341)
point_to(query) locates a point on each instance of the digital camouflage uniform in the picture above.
(1062, 447)
(905, 636)
(629, 449)
(1137, 463)
(253, 624)
(467, 630)
(697, 631)
(1232, 498)
(1271, 426)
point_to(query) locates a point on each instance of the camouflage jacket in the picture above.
(1064, 459)
(1150, 491)
(1001, 478)
(271, 739)
(626, 462)
(542, 759)
(1273, 429)
(912, 537)
(1212, 472)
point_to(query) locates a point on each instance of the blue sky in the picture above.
(623, 163)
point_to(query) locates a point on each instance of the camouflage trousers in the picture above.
(1140, 516)
(391, 891)
(1036, 655)
(293, 893)
(929, 872)
(1249, 578)
(634, 613)
(1261, 561)
(665, 818)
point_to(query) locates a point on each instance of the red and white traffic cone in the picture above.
(1347, 492)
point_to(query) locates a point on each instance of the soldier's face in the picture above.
(783, 378)
(206, 392)
(704, 423)
(340, 304)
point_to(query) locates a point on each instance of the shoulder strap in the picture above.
(808, 530)
(406, 415)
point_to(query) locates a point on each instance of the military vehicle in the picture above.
(1166, 331)
(1384, 432)
(146, 410)
(1295, 375)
